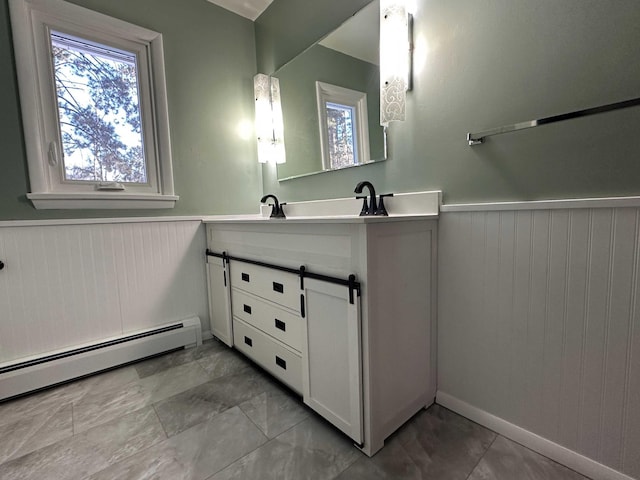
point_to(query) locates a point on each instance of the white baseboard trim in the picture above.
(560, 454)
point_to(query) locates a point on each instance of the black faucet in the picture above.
(373, 207)
(276, 207)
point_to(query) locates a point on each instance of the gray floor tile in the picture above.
(506, 460)
(155, 365)
(54, 398)
(98, 408)
(275, 411)
(390, 463)
(444, 445)
(35, 431)
(105, 381)
(222, 363)
(227, 419)
(194, 454)
(205, 401)
(310, 450)
(90, 451)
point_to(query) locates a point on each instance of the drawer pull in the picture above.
(281, 362)
(248, 341)
(278, 287)
(247, 308)
(245, 277)
(280, 325)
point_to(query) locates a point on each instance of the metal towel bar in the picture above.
(478, 138)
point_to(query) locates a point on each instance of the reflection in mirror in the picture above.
(330, 98)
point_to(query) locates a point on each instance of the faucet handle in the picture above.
(381, 210)
(365, 205)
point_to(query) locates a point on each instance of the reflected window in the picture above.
(343, 149)
(344, 131)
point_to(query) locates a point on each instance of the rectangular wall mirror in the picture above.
(330, 96)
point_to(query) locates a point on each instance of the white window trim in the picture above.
(325, 92)
(30, 20)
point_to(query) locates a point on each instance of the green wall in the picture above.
(300, 109)
(480, 65)
(210, 63)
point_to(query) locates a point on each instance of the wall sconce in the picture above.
(395, 59)
(269, 123)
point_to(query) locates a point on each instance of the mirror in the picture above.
(330, 97)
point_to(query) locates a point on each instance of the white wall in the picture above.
(539, 324)
(68, 283)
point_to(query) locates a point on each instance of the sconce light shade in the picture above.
(269, 122)
(395, 60)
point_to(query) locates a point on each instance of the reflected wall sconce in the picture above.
(396, 25)
(269, 123)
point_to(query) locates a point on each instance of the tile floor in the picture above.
(208, 413)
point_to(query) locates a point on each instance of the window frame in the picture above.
(328, 93)
(32, 21)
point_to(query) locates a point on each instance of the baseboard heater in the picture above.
(35, 373)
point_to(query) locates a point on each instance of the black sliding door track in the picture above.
(302, 272)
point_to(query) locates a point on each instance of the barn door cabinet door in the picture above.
(219, 289)
(331, 355)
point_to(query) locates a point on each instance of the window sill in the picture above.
(49, 201)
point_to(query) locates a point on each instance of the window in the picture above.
(94, 108)
(344, 130)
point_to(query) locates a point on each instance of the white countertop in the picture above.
(401, 207)
(315, 219)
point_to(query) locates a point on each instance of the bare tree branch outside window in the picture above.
(340, 130)
(99, 112)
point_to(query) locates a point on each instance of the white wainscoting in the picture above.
(539, 326)
(70, 284)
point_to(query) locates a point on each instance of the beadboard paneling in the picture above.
(66, 285)
(539, 324)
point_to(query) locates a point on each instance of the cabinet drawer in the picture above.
(274, 357)
(275, 285)
(280, 324)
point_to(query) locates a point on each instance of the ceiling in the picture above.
(250, 9)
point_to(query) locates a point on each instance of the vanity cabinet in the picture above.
(363, 358)
(267, 326)
(219, 300)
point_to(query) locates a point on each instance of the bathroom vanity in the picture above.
(338, 307)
